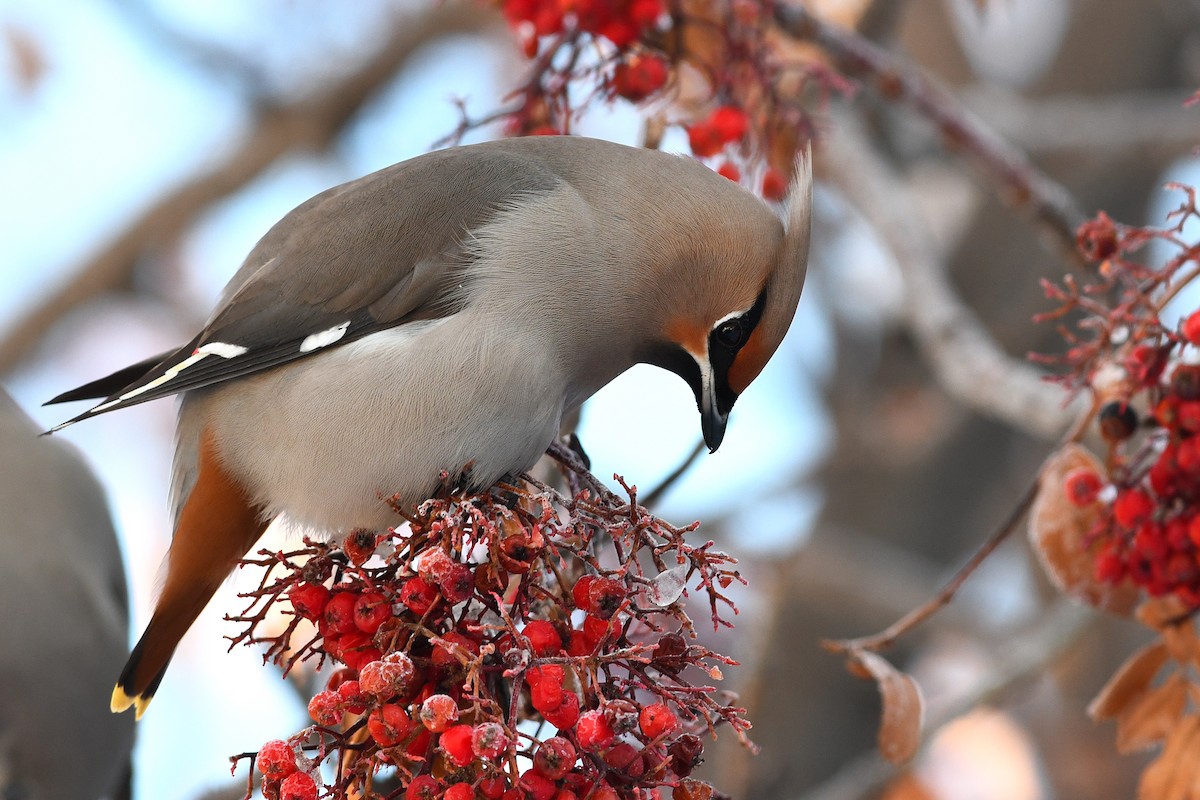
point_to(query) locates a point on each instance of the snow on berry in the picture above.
(489, 740)
(326, 708)
(456, 743)
(389, 724)
(298, 786)
(276, 759)
(439, 712)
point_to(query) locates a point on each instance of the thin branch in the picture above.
(311, 122)
(895, 79)
(967, 361)
(655, 494)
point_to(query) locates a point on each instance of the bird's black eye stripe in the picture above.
(731, 334)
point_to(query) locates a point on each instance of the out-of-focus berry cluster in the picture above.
(1144, 377)
(718, 70)
(509, 645)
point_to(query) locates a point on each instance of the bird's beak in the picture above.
(712, 420)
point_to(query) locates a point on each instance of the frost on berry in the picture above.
(487, 611)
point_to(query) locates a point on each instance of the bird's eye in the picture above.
(729, 333)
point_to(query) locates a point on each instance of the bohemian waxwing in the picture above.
(443, 312)
(63, 622)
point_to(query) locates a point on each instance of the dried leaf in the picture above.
(1182, 641)
(903, 707)
(1058, 531)
(1129, 682)
(26, 57)
(1175, 775)
(666, 587)
(1151, 718)
(1158, 613)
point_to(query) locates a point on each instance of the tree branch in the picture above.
(893, 78)
(966, 360)
(311, 122)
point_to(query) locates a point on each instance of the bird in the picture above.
(64, 630)
(441, 316)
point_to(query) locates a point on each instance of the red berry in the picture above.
(545, 686)
(388, 678)
(389, 724)
(645, 13)
(554, 758)
(730, 123)
(685, 753)
(423, 787)
(774, 185)
(326, 708)
(537, 786)
(626, 759)
(1164, 474)
(1187, 415)
(359, 545)
(729, 170)
(543, 638)
(489, 740)
(1132, 508)
(597, 630)
(456, 743)
(370, 611)
(639, 76)
(493, 788)
(446, 656)
(657, 720)
(339, 614)
(439, 712)
(605, 597)
(1083, 485)
(276, 759)
(1110, 567)
(298, 786)
(704, 139)
(353, 698)
(593, 731)
(1191, 328)
(1097, 238)
(579, 592)
(621, 32)
(355, 649)
(566, 715)
(456, 583)
(418, 595)
(459, 791)
(309, 599)
(1150, 542)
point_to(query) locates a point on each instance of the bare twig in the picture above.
(913, 618)
(1024, 185)
(311, 122)
(967, 361)
(655, 494)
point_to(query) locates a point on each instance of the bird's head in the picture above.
(739, 295)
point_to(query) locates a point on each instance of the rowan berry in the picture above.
(554, 757)
(359, 545)
(326, 709)
(456, 743)
(1118, 421)
(418, 595)
(298, 786)
(354, 700)
(1132, 507)
(704, 139)
(276, 759)
(339, 614)
(439, 712)
(489, 740)
(459, 791)
(309, 599)
(657, 720)
(423, 787)
(774, 185)
(355, 649)
(566, 714)
(729, 170)
(686, 754)
(626, 759)
(1191, 328)
(730, 123)
(389, 724)
(445, 655)
(639, 76)
(592, 731)
(1083, 485)
(536, 786)
(579, 592)
(543, 637)
(371, 610)
(388, 678)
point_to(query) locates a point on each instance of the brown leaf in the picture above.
(1058, 531)
(1158, 613)
(1175, 775)
(1129, 682)
(1182, 642)
(903, 707)
(27, 60)
(1150, 718)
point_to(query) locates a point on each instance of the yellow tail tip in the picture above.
(121, 702)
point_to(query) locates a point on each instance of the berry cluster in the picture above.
(725, 76)
(489, 650)
(1146, 384)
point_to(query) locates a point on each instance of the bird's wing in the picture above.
(381, 251)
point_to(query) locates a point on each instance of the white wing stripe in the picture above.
(323, 338)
